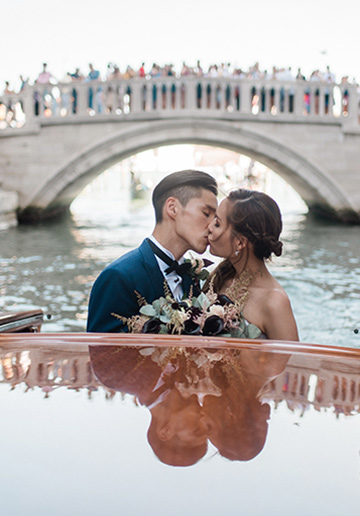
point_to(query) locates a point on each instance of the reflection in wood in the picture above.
(195, 396)
(337, 381)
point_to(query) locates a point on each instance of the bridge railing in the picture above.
(331, 389)
(171, 97)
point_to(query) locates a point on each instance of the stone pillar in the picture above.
(149, 103)
(168, 105)
(27, 101)
(322, 101)
(277, 99)
(82, 98)
(312, 99)
(299, 98)
(352, 118)
(136, 93)
(222, 95)
(190, 101)
(245, 97)
(178, 95)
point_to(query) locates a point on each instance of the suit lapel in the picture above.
(156, 278)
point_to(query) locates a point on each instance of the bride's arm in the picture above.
(278, 318)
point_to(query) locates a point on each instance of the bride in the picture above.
(245, 232)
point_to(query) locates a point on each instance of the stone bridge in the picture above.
(54, 139)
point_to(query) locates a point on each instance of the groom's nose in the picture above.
(211, 220)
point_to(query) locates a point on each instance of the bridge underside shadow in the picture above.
(321, 194)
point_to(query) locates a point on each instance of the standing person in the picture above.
(45, 77)
(141, 72)
(245, 232)
(76, 76)
(185, 204)
(7, 89)
(93, 75)
(24, 83)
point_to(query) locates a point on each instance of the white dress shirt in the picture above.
(173, 279)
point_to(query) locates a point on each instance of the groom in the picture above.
(185, 204)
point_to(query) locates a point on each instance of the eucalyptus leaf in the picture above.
(237, 333)
(148, 310)
(253, 331)
(195, 302)
(242, 325)
(164, 318)
(157, 305)
(203, 300)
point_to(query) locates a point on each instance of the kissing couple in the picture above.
(244, 230)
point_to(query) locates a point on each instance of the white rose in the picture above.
(197, 264)
(217, 310)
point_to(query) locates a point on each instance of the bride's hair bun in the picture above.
(266, 245)
(277, 248)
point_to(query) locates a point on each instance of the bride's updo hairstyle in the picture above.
(256, 216)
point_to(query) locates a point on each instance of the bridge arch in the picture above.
(317, 189)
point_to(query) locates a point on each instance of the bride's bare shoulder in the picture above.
(276, 301)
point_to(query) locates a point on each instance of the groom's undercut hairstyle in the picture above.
(183, 185)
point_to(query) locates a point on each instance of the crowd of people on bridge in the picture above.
(61, 97)
(114, 72)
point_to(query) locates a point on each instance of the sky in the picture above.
(73, 33)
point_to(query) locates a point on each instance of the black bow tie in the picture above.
(173, 265)
(179, 268)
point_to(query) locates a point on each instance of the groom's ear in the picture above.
(171, 207)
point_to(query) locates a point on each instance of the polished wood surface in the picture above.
(139, 339)
(29, 321)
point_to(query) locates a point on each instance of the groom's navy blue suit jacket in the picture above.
(114, 290)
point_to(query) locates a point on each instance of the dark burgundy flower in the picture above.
(151, 326)
(223, 300)
(194, 312)
(213, 325)
(191, 328)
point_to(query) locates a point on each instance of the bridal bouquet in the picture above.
(207, 314)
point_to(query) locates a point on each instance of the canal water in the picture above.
(53, 266)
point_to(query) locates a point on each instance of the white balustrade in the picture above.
(341, 391)
(233, 97)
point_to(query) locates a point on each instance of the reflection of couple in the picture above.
(194, 396)
(244, 230)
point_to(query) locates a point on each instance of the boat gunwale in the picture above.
(66, 340)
